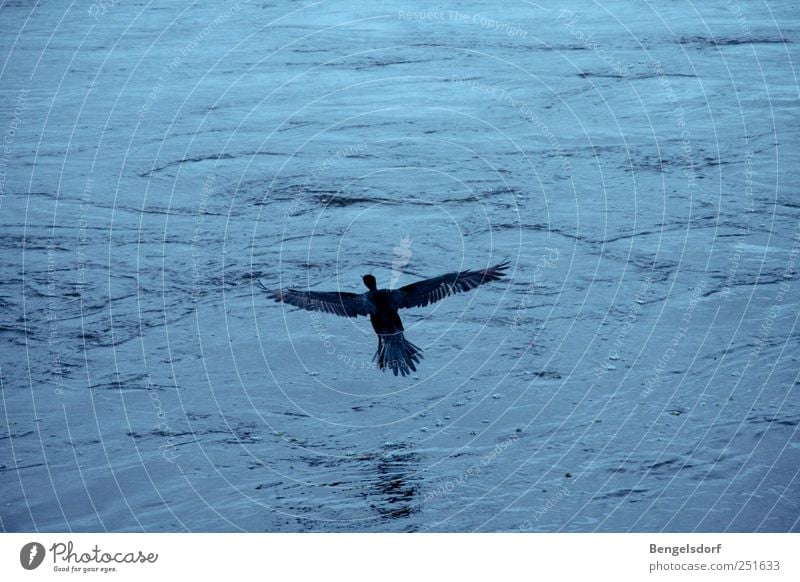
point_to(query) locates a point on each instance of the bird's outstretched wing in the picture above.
(422, 293)
(338, 303)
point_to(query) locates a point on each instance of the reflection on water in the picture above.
(373, 491)
(396, 485)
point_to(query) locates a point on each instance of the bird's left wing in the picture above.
(336, 302)
(422, 293)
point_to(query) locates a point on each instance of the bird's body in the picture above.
(394, 350)
(381, 305)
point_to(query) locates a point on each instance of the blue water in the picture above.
(637, 371)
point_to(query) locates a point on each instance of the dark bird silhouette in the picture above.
(394, 350)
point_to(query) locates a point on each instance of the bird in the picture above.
(394, 351)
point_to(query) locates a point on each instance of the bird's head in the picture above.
(370, 282)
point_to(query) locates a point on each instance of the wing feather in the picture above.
(335, 302)
(429, 291)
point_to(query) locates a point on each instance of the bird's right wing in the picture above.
(338, 303)
(422, 293)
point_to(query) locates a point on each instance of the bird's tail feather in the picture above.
(397, 353)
